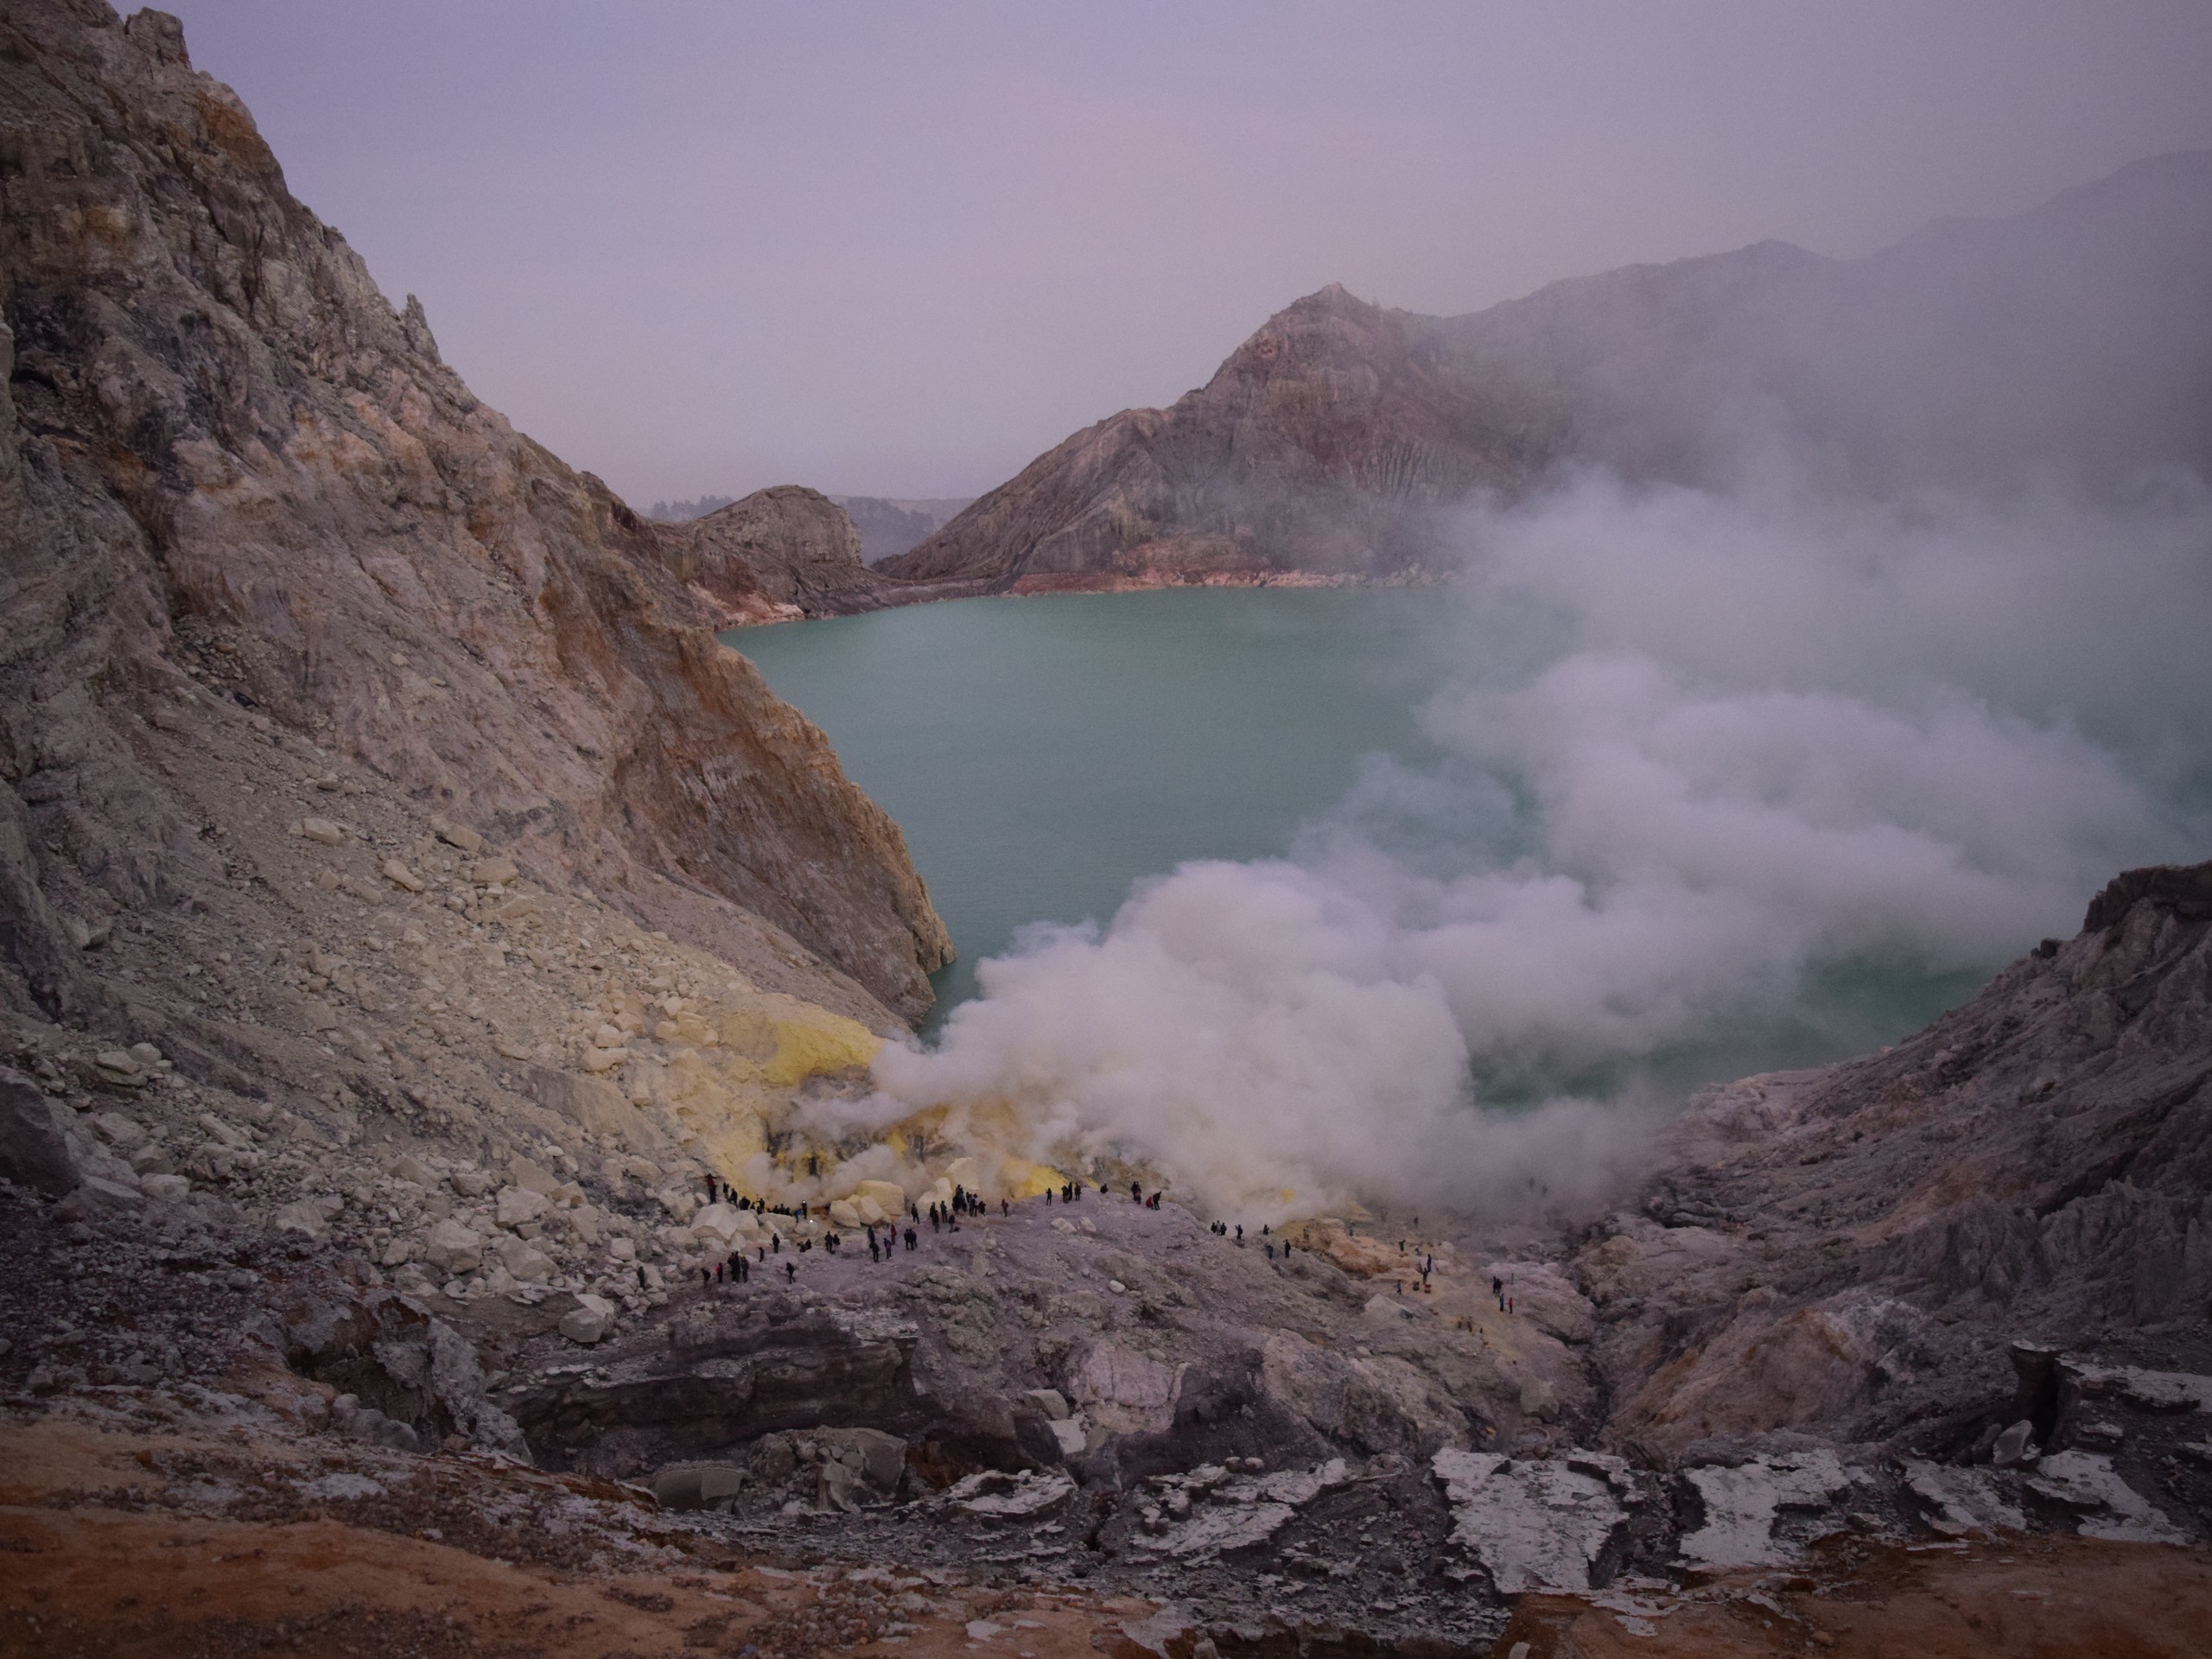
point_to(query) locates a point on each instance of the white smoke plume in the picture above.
(1705, 748)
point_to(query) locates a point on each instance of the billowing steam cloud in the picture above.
(1706, 749)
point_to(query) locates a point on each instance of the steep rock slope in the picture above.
(780, 554)
(2077, 337)
(1322, 445)
(1852, 1251)
(223, 451)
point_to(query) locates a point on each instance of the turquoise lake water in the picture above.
(1041, 754)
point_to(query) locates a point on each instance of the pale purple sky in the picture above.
(899, 248)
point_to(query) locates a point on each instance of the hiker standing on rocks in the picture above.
(913, 1241)
(791, 1273)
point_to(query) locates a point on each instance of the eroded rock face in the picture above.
(229, 466)
(1855, 1251)
(780, 554)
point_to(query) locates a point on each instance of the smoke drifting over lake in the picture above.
(1712, 749)
(1860, 640)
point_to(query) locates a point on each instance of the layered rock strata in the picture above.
(233, 476)
(779, 554)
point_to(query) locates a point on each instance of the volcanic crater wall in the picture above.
(219, 437)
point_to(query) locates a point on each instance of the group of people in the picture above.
(941, 1216)
(964, 1203)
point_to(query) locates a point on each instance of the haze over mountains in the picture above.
(2076, 339)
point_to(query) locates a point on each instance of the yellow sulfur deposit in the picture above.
(788, 1041)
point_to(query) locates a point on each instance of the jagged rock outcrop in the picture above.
(230, 468)
(1853, 1252)
(779, 554)
(2075, 338)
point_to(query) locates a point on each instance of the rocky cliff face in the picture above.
(1853, 1251)
(233, 477)
(779, 554)
(2076, 338)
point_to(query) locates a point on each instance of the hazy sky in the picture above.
(900, 249)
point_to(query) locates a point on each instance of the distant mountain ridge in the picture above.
(892, 525)
(2075, 336)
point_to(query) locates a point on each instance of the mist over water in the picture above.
(1704, 782)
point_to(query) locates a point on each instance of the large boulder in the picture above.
(33, 1152)
(452, 1248)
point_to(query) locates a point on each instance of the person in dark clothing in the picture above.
(912, 1241)
(1137, 1192)
(791, 1273)
(873, 1252)
(706, 1276)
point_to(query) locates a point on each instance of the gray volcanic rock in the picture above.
(1855, 1252)
(229, 466)
(2076, 338)
(779, 554)
(1324, 445)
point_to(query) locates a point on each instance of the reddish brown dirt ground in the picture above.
(92, 1565)
(80, 1574)
(2011, 1598)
